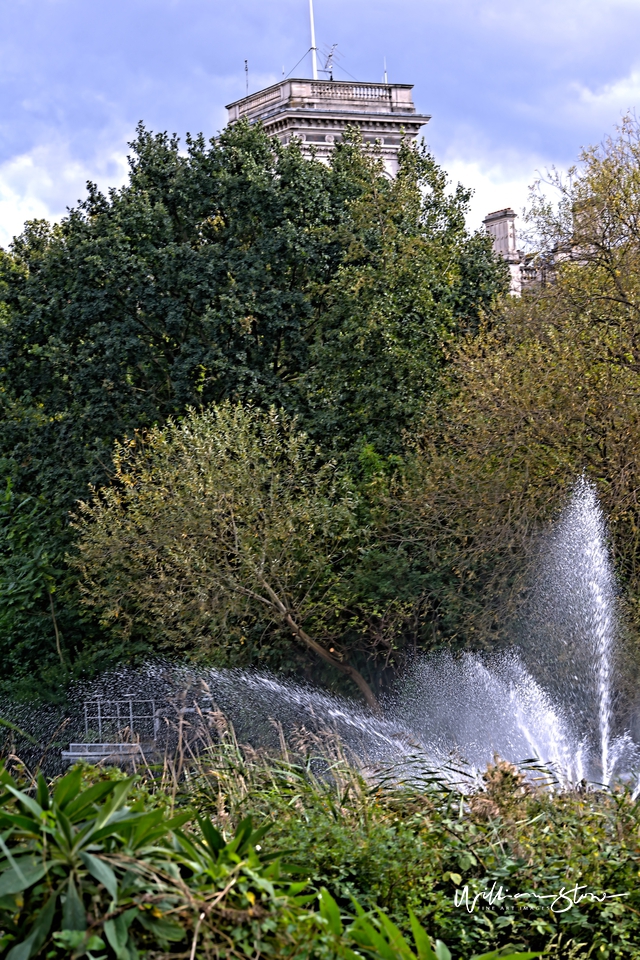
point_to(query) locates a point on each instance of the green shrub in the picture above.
(83, 874)
(411, 848)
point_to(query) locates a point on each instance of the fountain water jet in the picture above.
(549, 699)
(569, 634)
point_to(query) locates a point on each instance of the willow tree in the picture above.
(211, 523)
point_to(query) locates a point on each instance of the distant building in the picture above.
(317, 112)
(501, 226)
(525, 268)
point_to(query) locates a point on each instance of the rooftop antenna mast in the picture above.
(328, 67)
(314, 59)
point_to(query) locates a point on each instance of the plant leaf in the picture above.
(42, 792)
(22, 874)
(101, 872)
(421, 938)
(38, 935)
(26, 801)
(395, 938)
(68, 788)
(88, 797)
(73, 915)
(213, 838)
(365, 934)
(331, 913)
(117, 931)
(442, 952)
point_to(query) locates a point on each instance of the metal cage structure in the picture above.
(109, 718)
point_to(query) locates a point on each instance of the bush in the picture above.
(413, 848)
(83, 874)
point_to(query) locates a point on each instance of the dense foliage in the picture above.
(235, 270)
(239, 857)
(216, 525)
(550, 392)
(94, 867)
(413, 848)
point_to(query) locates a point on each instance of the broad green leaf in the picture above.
(118, 798)
(22, 821)
(349, 954)
(32, 805)
(331, 913)
(68, 788)
(395, 937)
(22, 874)
(442, 952)
(258, 834)
(214, 839)
(88, 797)
(102, 872)
(174, 823)
(5, 776)
(124, 824)
(243, 832)
(138, 826)
(65, 829)
(73, 913)
(421, 938)
(42, 792)
(117, 931)
(148, 831)
(295, 888)
(38, 935)
(71, 940)
(365, 934)
(161, 927)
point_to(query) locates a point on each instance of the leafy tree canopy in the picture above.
(548, 393)
(233, 270)
(227, 518)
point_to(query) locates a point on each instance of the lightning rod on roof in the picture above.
(314, 59)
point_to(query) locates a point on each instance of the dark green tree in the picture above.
(235, 270)
(410, 279)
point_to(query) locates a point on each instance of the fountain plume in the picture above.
(549, 700)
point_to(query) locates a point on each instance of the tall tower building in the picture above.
(318, 112)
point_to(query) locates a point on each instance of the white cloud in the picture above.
(616, 97)
(45, 181)
(493, 188)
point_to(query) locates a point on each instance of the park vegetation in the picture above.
(236, 276)
(258, 411)
(250, 856)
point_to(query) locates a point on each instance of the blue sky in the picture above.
(513, 87)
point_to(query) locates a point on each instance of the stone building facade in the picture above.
(501, 227)
(318, 112)
(525, 268)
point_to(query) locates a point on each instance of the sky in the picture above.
(513, 88)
